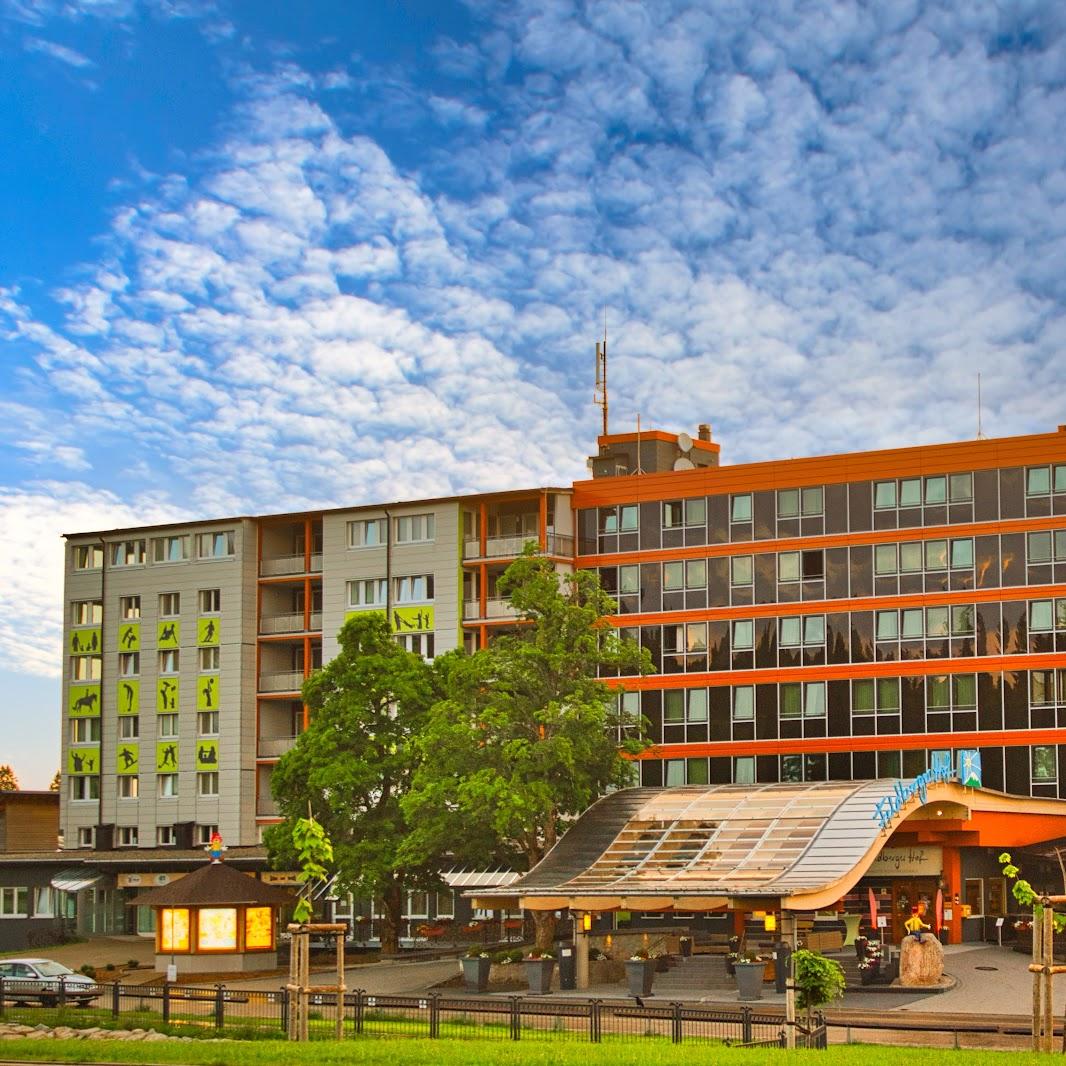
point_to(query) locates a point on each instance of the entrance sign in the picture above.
(908, 862)
(888, 807)
(970, 767)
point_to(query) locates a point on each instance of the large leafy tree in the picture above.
(8, 781)
(354, 764)
(526, 736)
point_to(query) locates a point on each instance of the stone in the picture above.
(921, 963)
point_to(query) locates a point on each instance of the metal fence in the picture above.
(253, 1014)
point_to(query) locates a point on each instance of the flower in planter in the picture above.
(536, 955)
(477, 953)
(1023, 924)
(639, 956)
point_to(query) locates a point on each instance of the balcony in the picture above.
(289, 623)
(290, 681)
(496, 608)
(511, 547)
(266, 807)
(275, 747)
(287, 565)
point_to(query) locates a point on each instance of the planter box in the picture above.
(749, 979)
(539, 975)
(640, 974)
(476, 974)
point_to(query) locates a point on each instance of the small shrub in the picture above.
(109, 967)
(88, 969)
(132, 964)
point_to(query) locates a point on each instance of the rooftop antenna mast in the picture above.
(600, 396)
(980, 434)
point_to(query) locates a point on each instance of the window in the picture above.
(127, 553)
(740, 508)
(962, 553)
(85, 668)
(964, 692)
(886, 559)
(936, 555)
(129, 663)
(960, 487)
(1045, 615)
(884, 495)
(1042, 687)
(744, 770)
(166, 725)
(1045, 766)
(887, 627)
(128, 787)
(619, 519)
(170, 549)
(169, 604)
(126, 836)
(85, 730)
(806, 700)
(801, 631)
(367, 593)
(209, 658)
(743, 634)
(962, 620)
(414, 528)
(686, 646)
(911, 624)
(936, 621)
(88, 557)
(791, 768)
(684, 705)
(628, 710)
(811, 501)
(788, 503)
(419, 643)
(169, 661)
(207, 784)
(166, 836)
(413, 589)
(86, 612)
(1038, 481)
(690, 574)
(875, 696)
(207, 723)
(910, 557)
(936, 490)
(788, 566)
(743, 703)
(367, 532)
(129, 607)
(629, 580)
(685, 513)
(86, 836)
(14, 902)
(910, 492)
(204, 833)
(218, 545)
(210, 601)
(84, 787)
(166, 785)
(129, 727)
(740, 570)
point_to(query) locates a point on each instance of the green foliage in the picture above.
(355, 762)
(9, 782)
(818, 980)
(526, 736)
(314, 853)
(1021, 890)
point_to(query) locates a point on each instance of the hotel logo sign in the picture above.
(889, 806)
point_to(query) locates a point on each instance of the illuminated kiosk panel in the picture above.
(216, 929)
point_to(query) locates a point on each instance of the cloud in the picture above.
(57, 51)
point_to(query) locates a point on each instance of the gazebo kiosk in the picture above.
(216, 919)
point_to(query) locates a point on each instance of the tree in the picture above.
(818, 980)
(526, 737)
(54, 785)
(354, 763)
(8, 781)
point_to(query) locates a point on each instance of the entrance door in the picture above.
(907, 893)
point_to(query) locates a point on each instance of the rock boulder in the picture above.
(921, 963)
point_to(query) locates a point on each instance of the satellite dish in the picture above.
(684, 442)
(684, 464)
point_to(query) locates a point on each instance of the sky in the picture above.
(260, 256)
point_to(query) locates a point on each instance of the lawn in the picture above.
(447, 1053)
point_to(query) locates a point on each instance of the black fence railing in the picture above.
(255, 1014)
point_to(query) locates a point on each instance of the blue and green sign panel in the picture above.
(970, 767)
(168, 634)
(129, 696)
(166, 757)
(129, 636)
(85, 641)
(166, 695)
(83, 701)
(127, 758)
(206, 755)
(83, 761)
(207, 692)
(207, 632)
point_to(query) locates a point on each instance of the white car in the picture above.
(40, 979)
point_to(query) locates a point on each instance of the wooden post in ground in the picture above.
(300, 987)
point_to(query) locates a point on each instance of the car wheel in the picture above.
(49, 1001)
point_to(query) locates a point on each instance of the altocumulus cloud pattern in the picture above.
(381, 276)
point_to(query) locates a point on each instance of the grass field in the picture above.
(446, 1053)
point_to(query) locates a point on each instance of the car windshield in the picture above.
(47, 968)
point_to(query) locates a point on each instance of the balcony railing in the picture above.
(496, 608)
(282, 565)
(510, 547)
(290, 681)
(289, 623)
(275, 747)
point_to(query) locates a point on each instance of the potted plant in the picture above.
(870, 964)
(662, 961)
(750, 969)
(732, 955)
(539, 966)
(476, 966)
(685, 944)
(640, 973)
